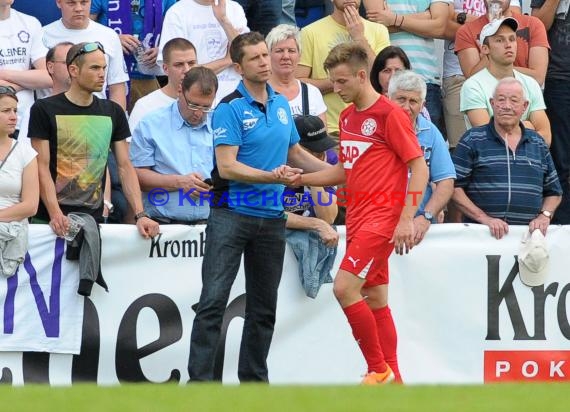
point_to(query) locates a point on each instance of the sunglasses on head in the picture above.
(7, 90)
(87, 48)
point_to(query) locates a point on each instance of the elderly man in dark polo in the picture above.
(505, 174)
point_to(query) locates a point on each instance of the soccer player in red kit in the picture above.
(378, 147)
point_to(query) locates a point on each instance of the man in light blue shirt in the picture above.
(172, 151)
(408, 90)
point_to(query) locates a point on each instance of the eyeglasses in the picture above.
(195, 107)
(7, 90)
(87, 48)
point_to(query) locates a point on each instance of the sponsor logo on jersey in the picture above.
(368, 127)
(282, 115)
(353, 261)
(249, 120)
(220, 132)
(24, 36)
(351, 150)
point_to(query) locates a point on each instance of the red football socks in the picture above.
(364, 330)
(388, 338)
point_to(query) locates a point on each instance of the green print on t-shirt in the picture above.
(82, 151)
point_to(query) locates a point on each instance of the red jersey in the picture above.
(375, 146)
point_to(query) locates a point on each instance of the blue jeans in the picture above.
(262, 243)
(557, 99)
(262, 15)
(434, 106)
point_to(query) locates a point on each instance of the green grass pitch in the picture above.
(549, 397)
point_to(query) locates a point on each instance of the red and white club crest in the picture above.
(368, 127)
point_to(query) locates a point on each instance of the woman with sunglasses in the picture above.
(19, 186)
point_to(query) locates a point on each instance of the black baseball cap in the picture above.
(314, 134)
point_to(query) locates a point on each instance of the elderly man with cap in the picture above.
(313, 207)
(499, 44)
(505, 174)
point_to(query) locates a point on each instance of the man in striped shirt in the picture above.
(505, 174)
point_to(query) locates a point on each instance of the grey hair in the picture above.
(408, 81)
(507, 81)
(283, 32)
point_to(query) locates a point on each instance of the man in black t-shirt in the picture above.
(72, 133)
(556, 18)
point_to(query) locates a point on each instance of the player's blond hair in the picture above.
(352, 54)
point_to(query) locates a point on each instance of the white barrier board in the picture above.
(461, 312)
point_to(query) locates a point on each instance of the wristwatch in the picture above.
(461, 18)
(546, 213)
(427, 215)
(141, 215)
(109, 205)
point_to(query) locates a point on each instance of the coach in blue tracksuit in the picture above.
(254, 134)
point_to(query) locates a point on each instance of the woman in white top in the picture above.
(284, 47)
(19, 182)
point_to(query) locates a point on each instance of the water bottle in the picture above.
(139, 52)
(495, 11)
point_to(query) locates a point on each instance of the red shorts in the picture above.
(367, 256)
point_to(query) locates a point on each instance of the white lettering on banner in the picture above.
(526, 365)
(115, 24)
(502, 367)
(140, 330)
(114, 5)
(556, 369)
(530, 369)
